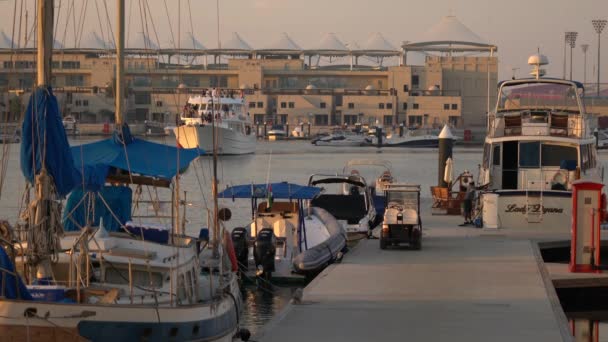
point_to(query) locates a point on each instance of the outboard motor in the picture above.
(241, 247)
(264, 252)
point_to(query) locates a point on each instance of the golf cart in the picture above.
(402, 223)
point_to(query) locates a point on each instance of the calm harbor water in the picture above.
(292, 161)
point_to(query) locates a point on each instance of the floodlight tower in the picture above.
(571, 40)
(598, 25)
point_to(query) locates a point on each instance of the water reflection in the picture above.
(263, 304)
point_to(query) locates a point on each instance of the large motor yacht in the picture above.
(227, 113)
(539, 141)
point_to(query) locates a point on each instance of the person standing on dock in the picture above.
(468, 203)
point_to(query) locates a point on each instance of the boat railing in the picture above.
(531, 123)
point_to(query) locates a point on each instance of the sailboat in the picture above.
(103, 282)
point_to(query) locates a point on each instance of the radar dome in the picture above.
(433, 88)
(370, 87)
(538, 59)
(310, 87)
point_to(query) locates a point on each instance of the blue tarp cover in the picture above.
(134, 155)
(118, 199)
(281, 190)
(8, 283)
(45, 142)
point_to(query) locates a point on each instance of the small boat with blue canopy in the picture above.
(287, 239)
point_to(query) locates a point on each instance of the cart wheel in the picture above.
(382, 243)
(417, 244)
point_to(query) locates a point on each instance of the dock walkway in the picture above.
(465, 284)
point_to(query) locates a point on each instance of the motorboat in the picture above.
(539, 142)
(342, 138)
(225, 112)
(383, 177)
(411, 138)
(276, 132)
(286, 241)
(349, 200)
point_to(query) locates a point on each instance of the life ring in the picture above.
(231, 252)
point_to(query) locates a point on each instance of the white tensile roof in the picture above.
(283, 43)
(143, 42)
(450, 34)
(377, 42)
(330, 45)
(5, 41)
(191, 43)
(236, 43)
(94, 41)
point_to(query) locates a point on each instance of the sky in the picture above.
(517, 27)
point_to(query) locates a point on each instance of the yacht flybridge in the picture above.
(539, 141)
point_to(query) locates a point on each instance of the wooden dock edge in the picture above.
(560, 315)
(259, 336)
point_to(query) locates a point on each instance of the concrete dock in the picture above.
(466, 284)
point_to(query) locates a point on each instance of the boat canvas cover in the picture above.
(112, 206)
(127, 153)
(281, 190)
(45, 143)
(12, 287)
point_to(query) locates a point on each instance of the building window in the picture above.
(143, 99)
(381, 105)
(406, 88)
(282, 119)
(159, 103)
(351, 105)
(404, 105)
(321, 120)
(446, 106)
(283, 104)
(389, 106)
(251, 104)
(291, 105)
(70, 65)
(415, 81)
(388, 120)
(258, 119)
(322, 105)
(453, 121)
(260, 104)
(85, 103)
(415, 106)
(414, 120)
(350, 119)
(78, 103)
(7, 65)
(454, 106)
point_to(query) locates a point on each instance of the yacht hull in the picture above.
(229, 142)
(61, 322)
(516, 209)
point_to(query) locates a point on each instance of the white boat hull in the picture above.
(508, 210)
(229, 141)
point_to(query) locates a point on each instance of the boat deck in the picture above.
(466, 284)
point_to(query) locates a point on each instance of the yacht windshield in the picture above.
(538, 96)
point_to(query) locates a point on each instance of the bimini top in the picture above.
(547, 80)
(281, 190)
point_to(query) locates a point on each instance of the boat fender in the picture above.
(231, 253)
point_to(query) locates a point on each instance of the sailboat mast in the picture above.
(120, 61)
(45, 42)
(216, 221)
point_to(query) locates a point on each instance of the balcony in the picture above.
(541, 123)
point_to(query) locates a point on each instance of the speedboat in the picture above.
(276, 132)
(411, 138)
(539, 142)
(350, 202)
(381, 168)
(342, 138)
(224, 112)
(286, 241)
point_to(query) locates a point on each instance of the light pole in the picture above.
(584, 47)
(598, 25)
(571, 40)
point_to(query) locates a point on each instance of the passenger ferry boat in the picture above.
(539, 141)
(234, 128)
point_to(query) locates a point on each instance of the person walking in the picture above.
(469, 197)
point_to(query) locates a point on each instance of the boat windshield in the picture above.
(537, 96)
(408, 199)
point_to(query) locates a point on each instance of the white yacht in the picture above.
(539, 141)
(342, 138)
(235, 134)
